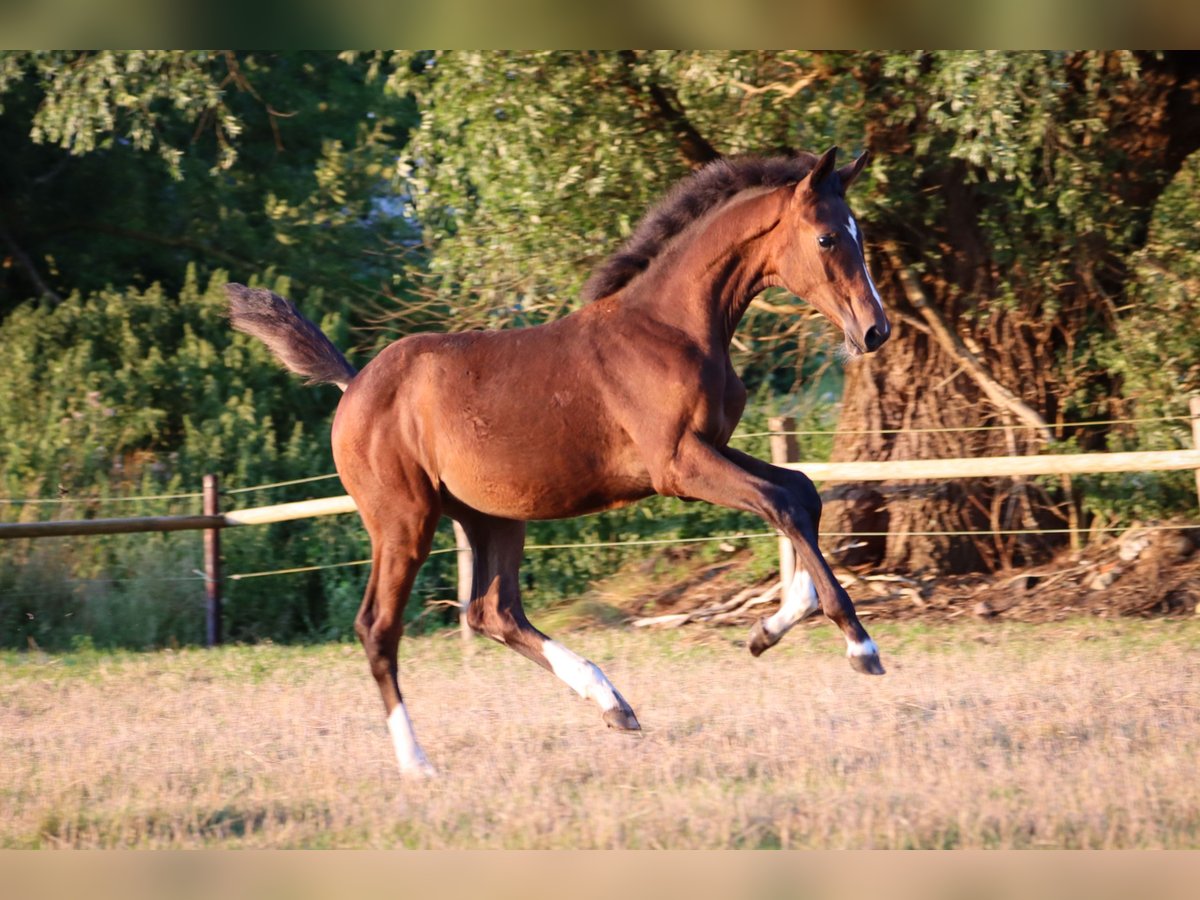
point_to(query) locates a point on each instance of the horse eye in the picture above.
(827, 240)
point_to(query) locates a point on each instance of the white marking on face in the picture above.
(799, 603)
(853, 226)
(866, 648)
(580, 675)
(409, 754)
(874, 290)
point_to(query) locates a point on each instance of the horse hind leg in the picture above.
(496, 611)
(400, 544)
(587, 680)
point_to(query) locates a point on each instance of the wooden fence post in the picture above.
(466, 575)
(784, 449)
(212, 565)
(1194, 409)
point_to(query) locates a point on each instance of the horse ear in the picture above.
(851, 171)
(822, 169)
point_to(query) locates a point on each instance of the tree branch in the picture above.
(785, 90)
(776, 309)
(166, 240)
(695, 148)
(951, 343)
(243, 84)
(21, 258)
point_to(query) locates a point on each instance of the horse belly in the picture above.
(513, 425)
(546, 473)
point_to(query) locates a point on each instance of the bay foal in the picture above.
(632, 394)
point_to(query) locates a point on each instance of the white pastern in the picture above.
(580, 675)
(799, 602)
(408, 752)
(853, 226)
(866, 648)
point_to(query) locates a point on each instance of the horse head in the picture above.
(821, 258)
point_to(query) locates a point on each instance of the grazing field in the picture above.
(1081, 734)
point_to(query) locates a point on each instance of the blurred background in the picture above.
(1039, 206)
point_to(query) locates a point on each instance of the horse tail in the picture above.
(296, 342)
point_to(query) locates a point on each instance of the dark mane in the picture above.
(690, 199)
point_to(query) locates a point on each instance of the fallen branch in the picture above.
(674, 620)
(729, 609)
(757, 600)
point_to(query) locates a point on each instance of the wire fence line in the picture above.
(743, 536)
(213, 519)
(966, 428)
(195, 495)
(190, 495)
(49, 501)
(279, 484)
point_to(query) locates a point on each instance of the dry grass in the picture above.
(1078, 735)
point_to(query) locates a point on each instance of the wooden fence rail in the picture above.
(782, 452)
(826, 472)
(260, 515)
(1000, 466)
(822, 472)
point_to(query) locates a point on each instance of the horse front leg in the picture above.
(799, 602)
(789, 502)
(800, 598)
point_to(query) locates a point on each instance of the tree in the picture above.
(1020, 186)
(122, 168)
(529, 168)
(1008, 195)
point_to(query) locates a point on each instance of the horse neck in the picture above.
(705, 285)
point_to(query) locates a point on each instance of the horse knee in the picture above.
(805, 493)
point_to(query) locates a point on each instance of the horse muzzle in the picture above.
(868, 341)
(875, 337)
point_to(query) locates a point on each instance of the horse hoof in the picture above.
(419, 770)
(761, 640)
(868, 664)
(621, 719)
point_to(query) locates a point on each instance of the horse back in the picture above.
(512, 423)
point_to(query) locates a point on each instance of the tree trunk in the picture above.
(904, 404)
(1001, 371)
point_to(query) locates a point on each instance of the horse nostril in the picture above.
(874, 339)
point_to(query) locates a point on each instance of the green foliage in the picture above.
(92, 99)
(264, 160)
(1027, 133)
(136, 393)
(1155, 347)
(137, 389)
(1155, 351)
(528, 168)
(134, 591)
